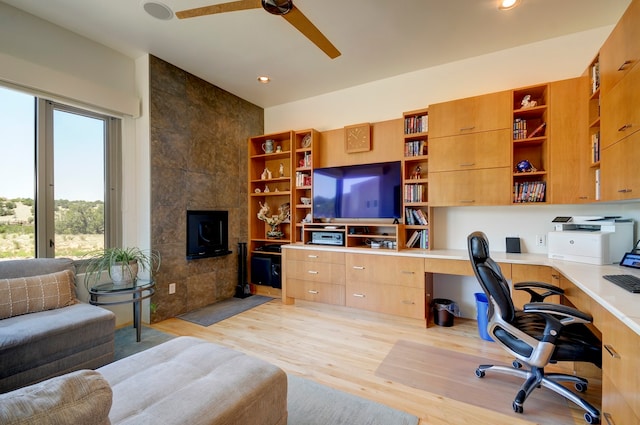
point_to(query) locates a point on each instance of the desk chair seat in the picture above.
(539, 334)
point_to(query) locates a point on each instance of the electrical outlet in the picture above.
(540, 240)
(172, 288)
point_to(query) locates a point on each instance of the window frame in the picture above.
(44, 224)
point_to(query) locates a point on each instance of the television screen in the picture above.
(358, 191)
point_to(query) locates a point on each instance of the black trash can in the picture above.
(443, 311)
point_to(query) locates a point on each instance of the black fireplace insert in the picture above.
(207, 234)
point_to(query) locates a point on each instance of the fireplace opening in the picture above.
(207, 234)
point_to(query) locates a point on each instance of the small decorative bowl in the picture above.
(305, 200)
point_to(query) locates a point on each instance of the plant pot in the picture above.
(123, 274)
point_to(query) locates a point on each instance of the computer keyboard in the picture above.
(625, 281)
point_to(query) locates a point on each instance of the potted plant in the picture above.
(122, 264)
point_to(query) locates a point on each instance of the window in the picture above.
(59, 178)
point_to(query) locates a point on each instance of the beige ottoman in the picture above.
(191, 381)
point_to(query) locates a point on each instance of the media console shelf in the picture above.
(360, 235)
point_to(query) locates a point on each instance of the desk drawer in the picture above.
(316, 271)
(381, 269)
(326, 293)
(316, 256)
(398, 300)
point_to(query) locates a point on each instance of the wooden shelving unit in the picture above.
(594, 124)
(530, 144)
(415, 183)
(305, 158)
(376, 236)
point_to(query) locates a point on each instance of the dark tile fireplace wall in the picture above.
(199, 138)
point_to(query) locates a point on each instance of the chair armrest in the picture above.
(535, 296)
(570, 314)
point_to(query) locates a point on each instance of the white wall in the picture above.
(545, 61)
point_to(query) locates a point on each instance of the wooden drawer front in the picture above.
(315, 256)
(389, 299)
(326, 293)
(620, 358)
(489, 149)
(620, 113)
(405, 271)
(316, 272)
(458, 267)
(615, 409)
(491, 186)
(471, 115)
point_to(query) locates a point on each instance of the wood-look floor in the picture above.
(342, 348)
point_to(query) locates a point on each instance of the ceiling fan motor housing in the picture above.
(277, 7)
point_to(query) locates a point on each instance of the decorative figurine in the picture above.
(527, 102)
(281, 170)
(417, 173)
(266, 189)
(525, 166)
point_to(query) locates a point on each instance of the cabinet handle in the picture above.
(312, 271)
(625, 127)
(612, 351)
(358, 267)
(467, 201)
(625, 190)
(312, 256)
(408, 272)
(468, 164)
(608, 418)
(407, 302)
(313, 291)
(468, 128)
(359, 295)
(624, 65)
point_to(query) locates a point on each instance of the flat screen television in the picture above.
(358, 191)
(207, 234)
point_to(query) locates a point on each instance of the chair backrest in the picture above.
(490, 277)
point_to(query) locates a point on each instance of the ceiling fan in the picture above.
(284, 8)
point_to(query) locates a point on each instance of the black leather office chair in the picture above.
(539, 334)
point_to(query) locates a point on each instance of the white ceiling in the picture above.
(377, 38)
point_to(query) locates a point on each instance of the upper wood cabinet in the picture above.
(571, 179)
(470, 115)
(621, 51)
(620, 111)
(488, 186)
(488, 149)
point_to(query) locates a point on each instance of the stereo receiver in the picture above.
(327, 238)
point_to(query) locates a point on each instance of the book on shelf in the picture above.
(413, 239)
(595, 147)
(413, 192)
(595, 77)
(538, 131)
(519, 129)
(529, 192)
(415, 148)
(416, 124)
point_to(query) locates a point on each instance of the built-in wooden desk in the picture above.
(616, 312)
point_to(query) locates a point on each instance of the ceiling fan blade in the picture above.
(304, 25)
(219, 8)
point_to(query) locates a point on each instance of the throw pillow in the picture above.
(36, 293)
(82, 397)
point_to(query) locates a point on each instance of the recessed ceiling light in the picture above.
(264, 79)
(158, 10)
(508, 4)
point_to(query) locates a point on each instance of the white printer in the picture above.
(588, 239)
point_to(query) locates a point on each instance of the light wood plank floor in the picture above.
(342, 348)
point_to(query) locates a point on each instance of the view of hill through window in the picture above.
(78, 173)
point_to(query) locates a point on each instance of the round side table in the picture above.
(141, 289)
